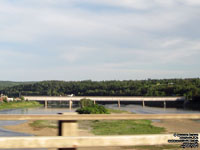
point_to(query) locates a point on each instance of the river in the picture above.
(8, 133)
(138, 109)
(132, 108)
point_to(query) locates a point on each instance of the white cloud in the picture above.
(7, 54)
(136, 4)
(34, 23)
(191, 2)
(117, 33)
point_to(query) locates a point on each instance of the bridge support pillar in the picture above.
(68, 128)
(70, 104)
(119, 103)
(143, 104)
(94, 102)
(164, 103)
(185, 103)
(46, 104)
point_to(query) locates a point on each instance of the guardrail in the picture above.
(88, 141)
(70, 116)
(69, 139)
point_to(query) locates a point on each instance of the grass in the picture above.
(119, 127)
(19, 104)
(125, 127)
(44, 124)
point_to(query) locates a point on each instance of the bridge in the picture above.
(118, 99)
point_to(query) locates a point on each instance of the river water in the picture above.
(8, 133)
(132, 108)
(138, 109)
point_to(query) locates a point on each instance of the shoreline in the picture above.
(19, 105)
(26, 128)
(171, 126)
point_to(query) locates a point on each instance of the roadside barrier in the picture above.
(68, 138)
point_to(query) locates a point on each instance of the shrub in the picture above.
(86, 103)
(95, 109)
(22, 98)
(88, 107)
(5, 100)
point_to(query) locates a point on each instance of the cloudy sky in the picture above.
(99, 39)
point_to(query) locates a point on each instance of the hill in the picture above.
(164, 87)
(5, 84)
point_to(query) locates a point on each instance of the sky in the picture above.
(99, 39)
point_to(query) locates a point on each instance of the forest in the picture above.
(152, 87)
(4, 84)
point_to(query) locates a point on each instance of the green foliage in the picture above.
(95, 109)
(164, 87)
(44, 124)
(125, 127)
(5, 100)
(5, 84)
(86, 103)
(88, 107)
(19, 104)
(22, 98)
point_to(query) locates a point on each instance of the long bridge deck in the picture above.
(102, 98)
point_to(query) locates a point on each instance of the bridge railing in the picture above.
(95, 99)
(69, 138)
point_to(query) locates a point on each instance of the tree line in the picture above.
(151, 87)
(4, 84)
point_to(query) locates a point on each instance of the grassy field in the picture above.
(44, 124)
(117, 127)
(19, 104)
(125, 127)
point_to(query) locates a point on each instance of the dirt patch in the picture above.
(26, 128)
(179, 126)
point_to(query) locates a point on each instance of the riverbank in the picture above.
(179, 125)
(19, 104)
(171, 126)
(27, 127)
(85, 129)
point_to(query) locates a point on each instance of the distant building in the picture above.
(10, 99)
(17, 99)
(3, 97)
(71, 95)
(171, 83)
